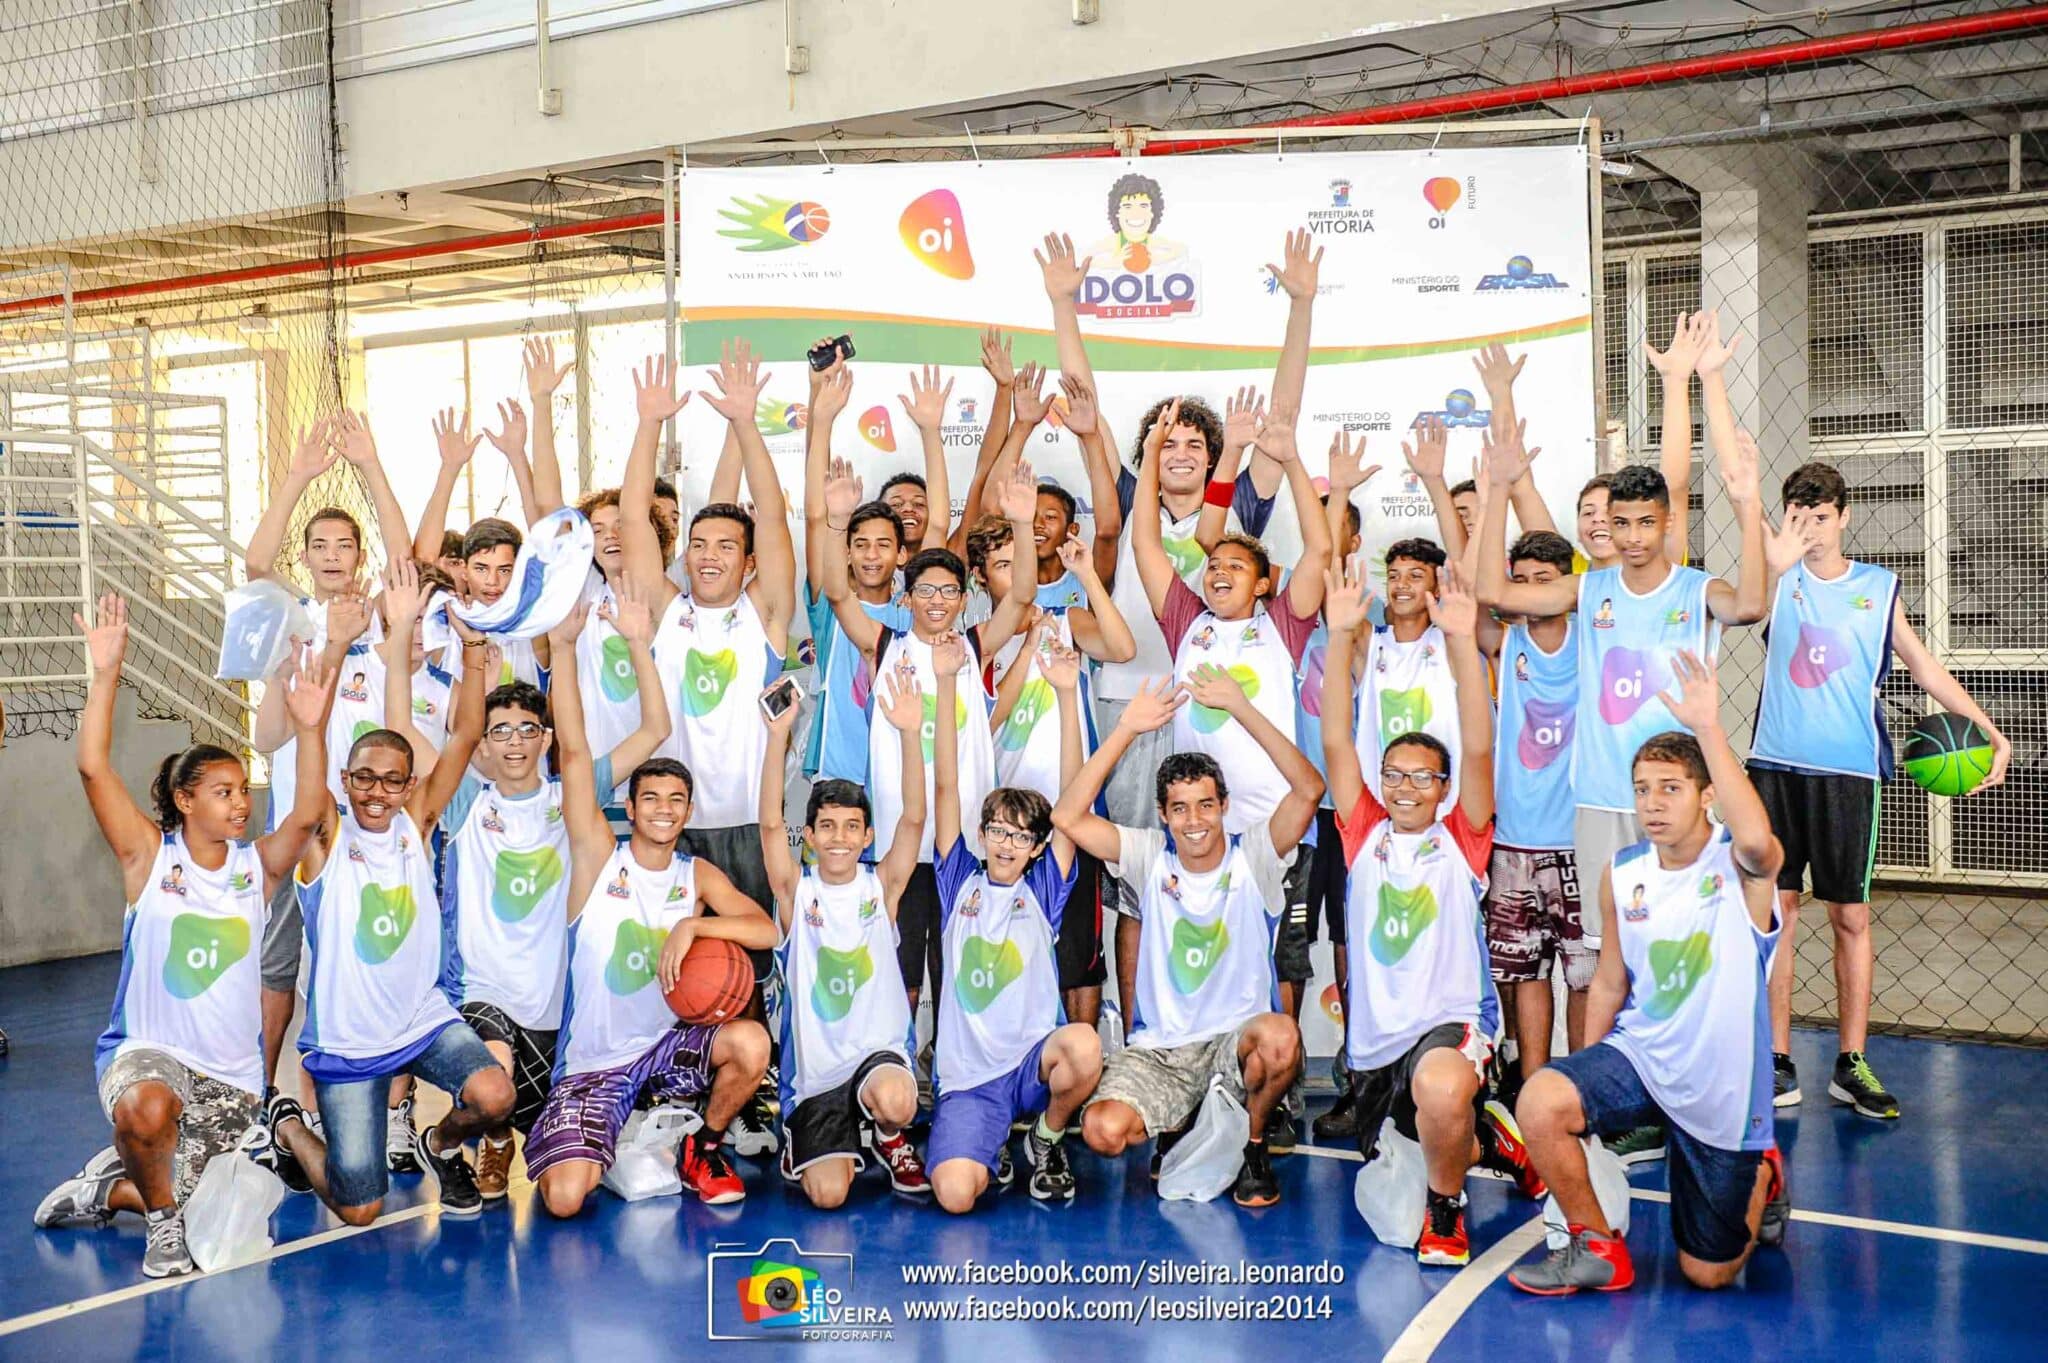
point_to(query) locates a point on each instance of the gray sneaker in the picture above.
(81, 1200)
(1052, 1179)
(167, 1256)
(1599, 1263)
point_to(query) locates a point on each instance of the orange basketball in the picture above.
(715, 983)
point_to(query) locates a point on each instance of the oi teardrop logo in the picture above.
(384, 919)
(200, 951)
(840, 976)
(1194, 951)
(520, 880)
(635, 950)
(615, 676)
(935, 231)
(1818, 655)
(987, 968)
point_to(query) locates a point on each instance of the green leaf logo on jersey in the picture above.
(986, 969)
(1676, 968)
(1194, 952)
(636, 948)
(1403, 917)
(1403, 712)
(705, 677)
(840, 976)
(363, 726)
(615, 675)
(1186, 554)
(383, 921)
(1208, 721)
(931, 719)
(201, 949)
(241, 882)
(1034, 702)
(521, 879)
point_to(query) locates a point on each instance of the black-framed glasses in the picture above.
(365, 780)
(1419, 780)
(505, 733)
(930, 591)
(999, 836)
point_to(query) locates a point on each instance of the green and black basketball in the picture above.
(1947, 754)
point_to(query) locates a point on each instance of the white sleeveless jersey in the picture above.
(1002, 985)
(843, 994)
(1205, 950)
(605, 679)
(517, 662)
(1120, 681)
(189, 985)
(1697, 1024)
(615, 1009)
(375, 985)
(1413, 903)
(506, 888)
(1254, 652)
(714, 661)
(908, 654)
(1027, 747)
(1408, 689)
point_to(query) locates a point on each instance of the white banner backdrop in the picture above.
(1429, 255)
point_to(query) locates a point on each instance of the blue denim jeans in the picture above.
(354, 1113)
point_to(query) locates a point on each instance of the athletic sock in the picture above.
(1049, 1134)
(708, 1136)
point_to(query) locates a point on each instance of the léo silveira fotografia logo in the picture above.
(783, 1291)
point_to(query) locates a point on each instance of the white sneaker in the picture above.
(398, 1134)
(81, 1200)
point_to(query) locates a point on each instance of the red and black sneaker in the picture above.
(1770, 1230)
(1443, 1241)
(1500, 1144)
(1587, 1261)
(706, 1168)
(900, 1158)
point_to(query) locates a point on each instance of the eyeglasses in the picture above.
(1419, 780)
(504, 733)
(927, 591)
(366, 780)
(998, 836)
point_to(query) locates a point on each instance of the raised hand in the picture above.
(654, 391)
(1027, 402)
(1059, 665)
(902, 702)
(995, 357)
(348, 613)
(842, 493)
(1169, 417)
(1714, 356)
(817, 376)
(1505, 459)
(632, 613)
(570, 627)
(1742, 470)
(1690, 334)
(353, 433)
(1244, 412)
(1497, 372)
(784, 724)
(315, 450)
(510, 441)
(1426, 455)
(739, 381)
(403, 592)
(1210, 685)
(830, 394)
(1453, 608)
(453, 439)
(1298, 275)
(1075, 556)
(1081, 415)
(668, 967)
(1347, 596)
(926, 401)
(1018, 498)
(305, 697)
(537, 366)
(1786, 545)
(1063, 273)
(106, 638)
(1697, 703)
(1276, 438)
(1348, 469)
(949, 654)
(1154, 707)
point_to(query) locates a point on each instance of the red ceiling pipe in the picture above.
(1930, 33)
(352, 260)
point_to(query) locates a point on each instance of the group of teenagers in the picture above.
(485, 860)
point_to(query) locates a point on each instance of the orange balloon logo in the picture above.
(877, 430)
(1441, 192)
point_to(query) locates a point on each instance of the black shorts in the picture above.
(737, 852)
(1291, 963)
(1079, 949)
(1328, 879)
(1389, 1091)
(917, 928)
(1828, 824)
(828, 1124)
(533, 1059)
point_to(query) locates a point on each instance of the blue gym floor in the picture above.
(1923, 1239)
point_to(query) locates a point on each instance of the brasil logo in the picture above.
(767, 224)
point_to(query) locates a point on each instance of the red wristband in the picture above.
(1220, 494)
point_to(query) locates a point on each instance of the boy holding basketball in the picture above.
(1002, 1051)
(846, 1024)
(635, 907)
(1821, 748)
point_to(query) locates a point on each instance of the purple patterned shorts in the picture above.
(585, 1112)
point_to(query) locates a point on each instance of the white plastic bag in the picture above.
(1111, 1028)
(227, 1218)
(645, 1165)
(1207, 1158)
(1610, 1185)
(1392, 1192)
(260, 619)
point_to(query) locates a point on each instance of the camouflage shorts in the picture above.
(214, 1114)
